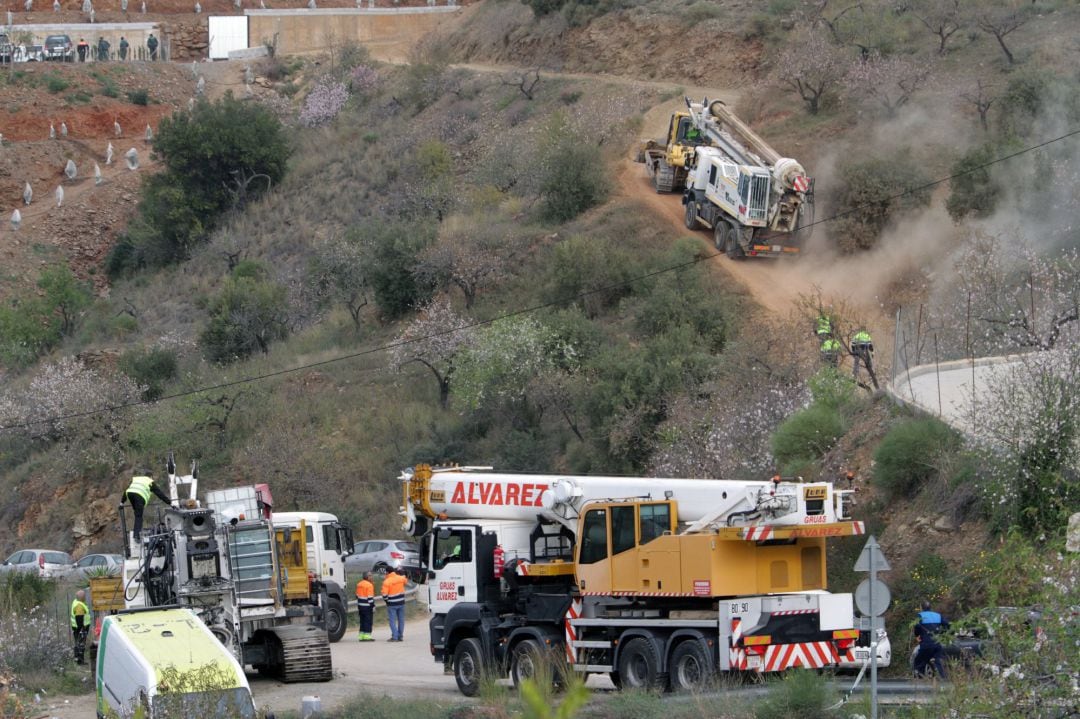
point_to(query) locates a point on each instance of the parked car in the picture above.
(48, 563)
(59, 47)
(100, 564)
(862, 652)
(377, 555)
(7, 50)
(29, 53)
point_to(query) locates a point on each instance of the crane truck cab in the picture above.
(166, 663)
(328, 543)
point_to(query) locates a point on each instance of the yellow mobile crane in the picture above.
(656, 582)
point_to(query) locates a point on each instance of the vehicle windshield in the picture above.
(231, 703)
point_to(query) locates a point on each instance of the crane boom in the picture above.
(478, 493)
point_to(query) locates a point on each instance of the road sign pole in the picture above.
(873, 641)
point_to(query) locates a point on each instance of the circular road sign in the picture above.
(882, 598)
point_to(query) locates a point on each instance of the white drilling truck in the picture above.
(655, 582)
(756, 202)
(246, 579)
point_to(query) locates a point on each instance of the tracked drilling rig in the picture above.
(245, 578)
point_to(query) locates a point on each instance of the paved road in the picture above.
(946, 390)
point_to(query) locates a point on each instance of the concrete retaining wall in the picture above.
(303, 31)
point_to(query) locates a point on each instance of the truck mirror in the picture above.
(444, 533)
(431, 574)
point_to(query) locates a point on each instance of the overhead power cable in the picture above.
(514, 313)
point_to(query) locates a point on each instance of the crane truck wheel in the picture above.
(691, 666)
(731, 247)
(720, 236)
(468, 666)
(639, 665)
(526, 661)
(336, 619)
(691, 215)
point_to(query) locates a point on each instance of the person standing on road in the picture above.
(151, 45)
(80, 625)
(82, 48)
(103, 46)
(365, 605)
(123, 48)
(393, 592)
(138, 493)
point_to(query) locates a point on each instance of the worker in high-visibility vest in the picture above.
(138, 493)
(80, 625)
(823, 326)
(393, 593)
(862, 349)
(830, 352)
(365, 605)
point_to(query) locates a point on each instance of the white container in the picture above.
(310, 707)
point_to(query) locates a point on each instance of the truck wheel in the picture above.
(732, 248)
(468, 666)
(336, 619)
(526, 661)
(691, 215)
(639, 665)
(691, 666)
(720, 236)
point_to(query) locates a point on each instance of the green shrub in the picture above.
(79, 97)
(35, 323)
(871, 193)
(807, 434)
(572, 173)
(973, 189)
(56, 84)
(832, 388)
(109, 88)
(909, 455)
(209, 154)
(248, 315)
(392, 249)
(150, 368)
(802, 694)
(139, 97)
(20, 591)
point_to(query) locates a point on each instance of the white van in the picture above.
(159, 663)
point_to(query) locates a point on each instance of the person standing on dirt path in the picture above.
(123, 48)
(393, 592)
(103, 46)
(80, 625)
(152, 45)
(365, 605)
(82, 48)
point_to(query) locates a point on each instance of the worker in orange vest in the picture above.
(365, 604)
(393, 593)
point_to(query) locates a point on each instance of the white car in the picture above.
(862, 652)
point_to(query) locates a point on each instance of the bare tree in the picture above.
(1000, 21)
(338, 270)
(943, 18)
(891, 81)
(1016, 298)
(471, 252)
(525, 81)
(981, 99)
(812, 67)
(434, 339)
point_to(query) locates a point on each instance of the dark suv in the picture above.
(59, 47)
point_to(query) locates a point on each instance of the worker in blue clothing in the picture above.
(929, 653)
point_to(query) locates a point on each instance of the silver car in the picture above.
(377, 555)
(96, 565)
(47, 563)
